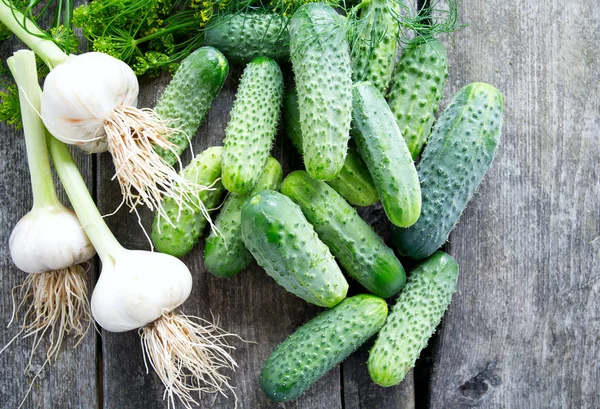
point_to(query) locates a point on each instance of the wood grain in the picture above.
(523, 330)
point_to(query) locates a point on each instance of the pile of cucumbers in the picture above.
(360, 122)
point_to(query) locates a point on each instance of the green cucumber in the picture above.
(251, 130)
(321, 64)
(374, 47)
(381, 146)
(461, 148)
(225, 254)
(177, 235)
(354, 181)
(287, 247)
(417, 312)
(358, 249)
(319, 345)
(417, 89)
(188, 97)
(245, 36)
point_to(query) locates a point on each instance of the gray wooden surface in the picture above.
(523, 330)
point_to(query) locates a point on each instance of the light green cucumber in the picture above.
(461, 148)
(319, 345)
(358, 249)
(354, 181)
(245, 36)
(417, 312)
(189, 95)
(380, 144)
(180, 232)
(321, 64)
(417, 89)
(375, 44)
(285, 244)
(225, 254)
(251, 130)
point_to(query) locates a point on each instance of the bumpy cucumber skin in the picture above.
(374, 49)
(358, 249)
(319, 345)
(245, 36)
(225, 255)
(414, 317)
(321, 63)
(381, 146)
(253, 124)
(177, 241)
(353, 182)
(417, 89)
(287, 247)
(460, 151)
(189, 95)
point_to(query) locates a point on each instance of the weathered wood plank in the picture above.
(524, 327)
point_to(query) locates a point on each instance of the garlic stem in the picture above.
(23, 68)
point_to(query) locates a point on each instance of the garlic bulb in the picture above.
(137, 287)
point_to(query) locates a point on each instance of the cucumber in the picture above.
(245, 36)
(374, 46)
(321, 64)
(358, 249)
(180, 233)
(225, 254)
(189, 95)
(381, 146)
(417, 312)
(417, 89)
(459, 153)
(287, 247)
(253, 124)
(354, 181)
(319, 345)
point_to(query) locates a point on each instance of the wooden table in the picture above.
(523, 330)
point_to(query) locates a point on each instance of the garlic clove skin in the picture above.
(49, 238)
(80, 93)
(137, 288)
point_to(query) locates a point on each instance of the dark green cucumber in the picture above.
(287, 247)
(177, 235)
(414, 317)
(374, 47)
(381, 146)
(189, 95)
(417, 89)
(354, 181)
(319, 345)
(358, 249)
(253, 124)
(321, 63)
(459, 153)
(245, 36)
(225, 254)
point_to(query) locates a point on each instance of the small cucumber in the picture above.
(319, 345)
(354, 181)
(225, 254)
(414, 317)
(381, 146)
(245, 36)
(188, 97)
(180, 233)
(321, 64)
(287, 247)
(253, 124)
(460, 151)
(374, 47)
(417, 89)
(358, 249)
